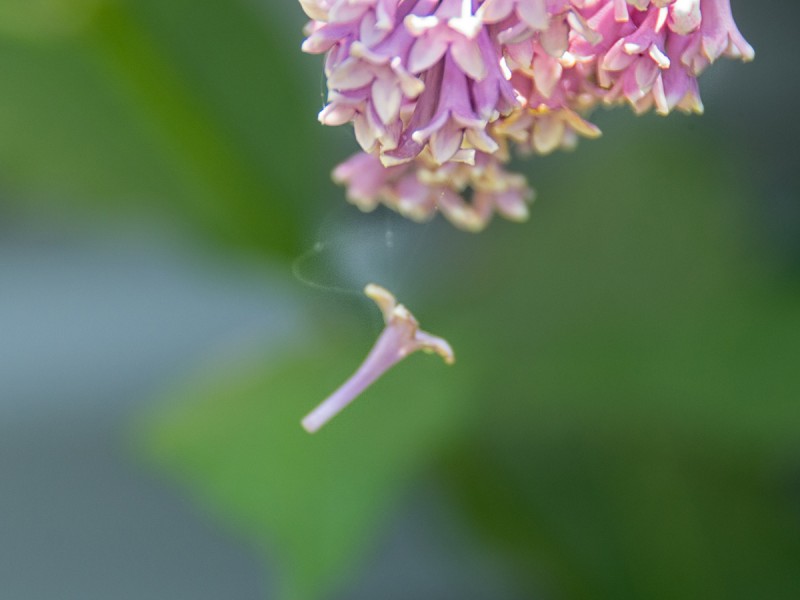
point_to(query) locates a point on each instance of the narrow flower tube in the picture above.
(399, 338)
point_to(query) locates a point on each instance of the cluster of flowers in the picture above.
(439, 91)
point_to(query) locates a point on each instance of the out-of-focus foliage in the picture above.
(623, 418)
(179, 107)
(317, 500)
(643, 442)
(43, 19)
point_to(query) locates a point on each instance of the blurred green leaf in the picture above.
(648, 513)
(41, 19)
(641, 442)
(179, 107)
(318, 500)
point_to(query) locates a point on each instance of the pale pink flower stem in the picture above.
(383, 356)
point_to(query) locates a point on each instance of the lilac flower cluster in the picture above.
(440, 91)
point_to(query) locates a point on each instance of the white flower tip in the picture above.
(746, 52)
(383, 298)
(432, 344)
(418, 25)
(469, 27)
(394, 314)
(315, 9)
(310, 424)
(388, 160)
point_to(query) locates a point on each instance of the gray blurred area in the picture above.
(91, 328)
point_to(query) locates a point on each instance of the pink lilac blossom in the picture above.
(440, 91)
(401, 337)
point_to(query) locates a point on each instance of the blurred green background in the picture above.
(179, 285)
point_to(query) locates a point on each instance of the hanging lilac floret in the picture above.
(400, 337)
(439, 91)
